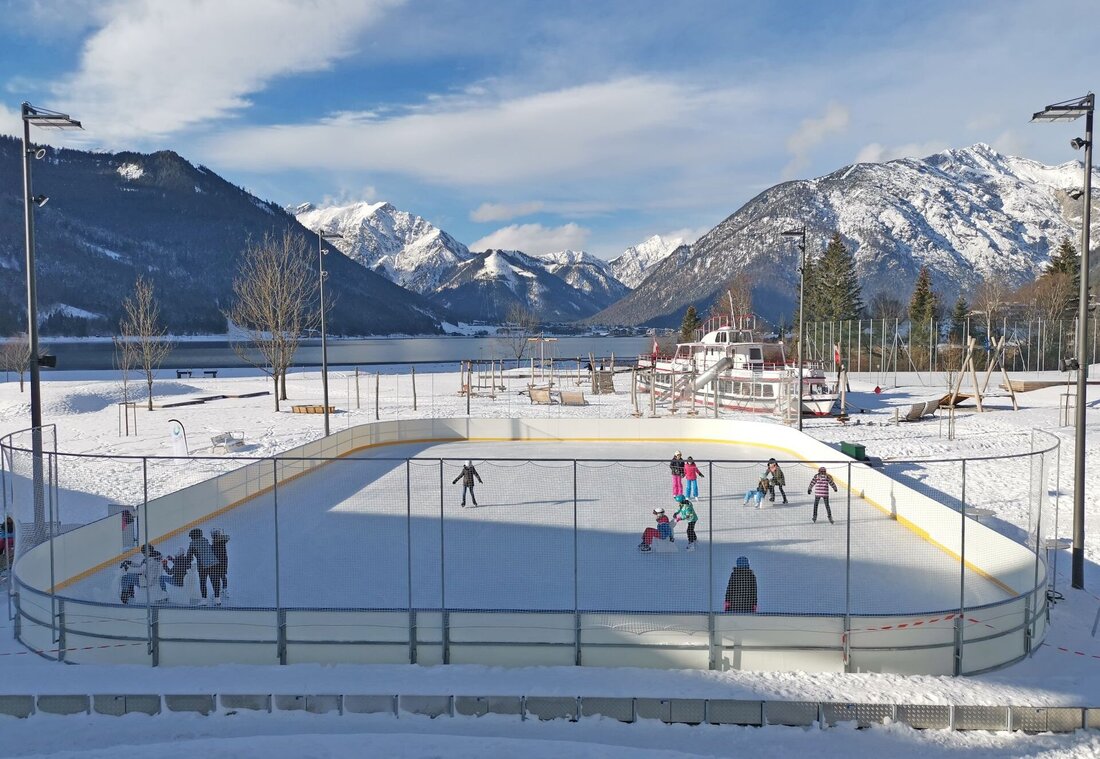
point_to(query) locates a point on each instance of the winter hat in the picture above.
(772, 461)
(469, 462)
(821, 469)
(659, 512)
(742, 562)
(677, 453)
(195, 534)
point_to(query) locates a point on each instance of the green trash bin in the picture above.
(855, 450)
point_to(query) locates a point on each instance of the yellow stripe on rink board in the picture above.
(918, 531)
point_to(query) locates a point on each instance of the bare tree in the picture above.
(883, 305)
(991, 299)
(735, 300)
(520, 325)
(274, 295)
(125, 360)
(15, 356)
(141, 327)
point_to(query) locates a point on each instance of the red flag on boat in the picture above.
(836, 353)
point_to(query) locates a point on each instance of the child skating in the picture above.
(819, 486)
(686, 513)
(663, 531)
(755, 497)
(691, 484)
(467, 476)
(676, 467)
(776, 480)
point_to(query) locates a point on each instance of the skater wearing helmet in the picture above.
(686, 512)
(691, 472)
(741, 589)
(467, 476)
(819, 486)
(774, 475)
(676, 466)
(663, 531)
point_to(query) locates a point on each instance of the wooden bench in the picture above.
(540, 395)
(318, 409)
(181, 373)
(227, 441)
(573, 398)
(921, 409)
(210, 373)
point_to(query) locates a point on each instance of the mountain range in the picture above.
(966, 214)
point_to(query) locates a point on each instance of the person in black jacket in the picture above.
(220, 574)
(676, 468)
(741, 590)
(467, 476)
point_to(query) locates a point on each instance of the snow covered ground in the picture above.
(1064, 671)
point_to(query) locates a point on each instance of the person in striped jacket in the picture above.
(819, 487)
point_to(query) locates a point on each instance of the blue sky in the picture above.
(542, 126)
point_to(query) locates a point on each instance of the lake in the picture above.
(216, 354)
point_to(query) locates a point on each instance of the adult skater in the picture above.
(220, 575)
(144, 563)
(676, 467)
(467, 476)
(774, 475)
(691, 484)
(755, 496)
(741, 589)
(203, 553)
(819, 486)
(663, 531)
(686, 513)
(175, 570)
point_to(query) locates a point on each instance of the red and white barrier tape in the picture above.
(78, 648)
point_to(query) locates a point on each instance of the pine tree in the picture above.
(1065, 261)
(837, 296)
(689, 325)
(958, 319)
(924, 307)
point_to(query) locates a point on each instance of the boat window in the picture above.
(721, 337)
(769, 391)
(756, 354)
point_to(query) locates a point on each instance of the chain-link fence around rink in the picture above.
(932, 541)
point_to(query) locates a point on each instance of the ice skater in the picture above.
(774, 475)
(741, 589)
(144, 563)
(467, 476)
(686, 513)
(755, 496)
(819, 486)
(663, 531)
(676, 466)
(175, 570)
(220, 575)
(203, 554)
(691, 484)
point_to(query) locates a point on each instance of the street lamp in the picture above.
(800, 233)
(321, 237)
(44, 119)
(1071, 110)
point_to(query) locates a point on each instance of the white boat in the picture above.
(743, 374)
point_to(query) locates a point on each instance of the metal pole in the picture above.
(1083, 368)
(576, 576)
(848, 576)
(324, 334)
(710, 557)
(148, 558)
(443, 575)
(801, 319)
(32, 336)
(962, 576)
(280, 616)
(409, 561)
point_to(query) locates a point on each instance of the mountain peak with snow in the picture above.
(634, 264)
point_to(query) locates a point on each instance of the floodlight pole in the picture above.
(322, 274)
(800, 233)
(1071, 110)
(46, 119)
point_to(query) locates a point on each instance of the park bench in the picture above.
(181, 373)
(213, 373)
(227, 441)
(573, 398)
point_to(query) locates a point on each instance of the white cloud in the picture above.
(155, 68)
(535, 238)
(504, 211)
(878, 153)
(608, 128)
(811, 133)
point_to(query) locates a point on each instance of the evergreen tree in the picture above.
(924, 306)
(958, 319)
(1065, 261)
(837, 290)
(689, 325)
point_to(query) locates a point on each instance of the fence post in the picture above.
(446, 632)
(576, 579)
(357, 388)
(1031, 608)
(962, 576)
(377, 384)
(51, 533)
(413, 375)
(848, 578)
(409, 561)
(145, 531)
(280, 613)
(711, 632)
(60, 630)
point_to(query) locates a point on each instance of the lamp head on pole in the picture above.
(1068, 110)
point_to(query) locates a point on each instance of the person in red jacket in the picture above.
(663, 531)
(819, 486)
(691, 484)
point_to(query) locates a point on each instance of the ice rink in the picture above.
(342, 537)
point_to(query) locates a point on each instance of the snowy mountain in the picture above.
(489, 284)
(967, 214)
(634, 264)
(397, 244)
(587, 273)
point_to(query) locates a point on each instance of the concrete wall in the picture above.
(209, 636)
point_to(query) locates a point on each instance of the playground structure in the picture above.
(559, 592)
